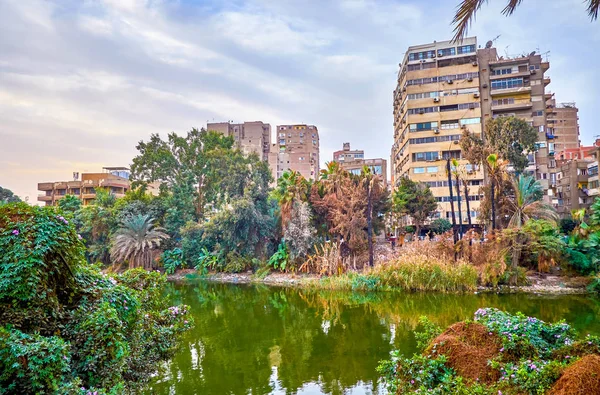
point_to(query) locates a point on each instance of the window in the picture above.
(503, 102)
(419, 127)
(454, 154)
(540, 144)
(419, 170)
(422, 110)
(466, 49)
(536, 82)
(502, 71)
(452, 137)
(446, 51)
(432, 169)
(593, 170)
(452, 107)
(421, 55)
(507, 83)
(470, 121)
(538, 113)
(422, 95)
(453, 124)
(425, 156)
(534, 67)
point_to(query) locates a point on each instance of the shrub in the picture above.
(172, 260)
(279, 259)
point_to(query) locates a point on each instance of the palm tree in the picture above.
(135, 240)
(291, 186)
(373, 184)
(527, 202)
(468, 8)
(456, 173)
(492, 161)
(332, 177)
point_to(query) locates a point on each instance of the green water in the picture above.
(265, 340)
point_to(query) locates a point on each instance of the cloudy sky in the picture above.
(81, 81)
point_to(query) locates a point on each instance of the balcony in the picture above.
(507, 91)
(520, 104)
(45, 186)
(44, 198)
(546, 81)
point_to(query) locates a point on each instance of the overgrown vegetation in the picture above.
(65, 327)
(497, 353)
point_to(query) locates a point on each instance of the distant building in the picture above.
(250, 137)
(115, 179)
(296, 148)
(572, 189)
(563, 123)
(593, 184)
(354, 160)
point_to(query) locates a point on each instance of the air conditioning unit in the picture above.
(484, 86)
(464, 127)
(450, 82)
(474, 64)
(470, 79)
(404, 89)
(476, 95)
(436, 131)
(471, 106)
(532, 71)
(421, 111)
(455, 141)
(440, 55)
(436, 99)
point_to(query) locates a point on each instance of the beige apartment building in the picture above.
(296, 148)
(115, 179)
(250, 137)
(354, 160)
(563, 123)
(437, 97)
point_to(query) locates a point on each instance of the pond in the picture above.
(254, 339)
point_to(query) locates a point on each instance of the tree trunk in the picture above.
(451, 200)
(493, 197)
(468, 204)
(460, 228)
(516, 257)
(370, 221)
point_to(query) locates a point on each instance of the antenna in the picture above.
(506, 51)
(491, 43)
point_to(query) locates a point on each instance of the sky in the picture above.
(82, 82)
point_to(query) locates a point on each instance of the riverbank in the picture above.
(539, 284)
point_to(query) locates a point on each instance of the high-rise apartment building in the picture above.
(354, 160)
(563, 123)
(115, 179)
(296, 148)
(250, 137)
(437, 97)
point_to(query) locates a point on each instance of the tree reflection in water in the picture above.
(262, 340)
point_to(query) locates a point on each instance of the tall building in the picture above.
(516, 87)
(115, 179)
(296, 148)
(354, 160)
(437, 97)
(250, 137)
(563, 123)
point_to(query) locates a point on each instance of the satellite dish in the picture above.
(489, 44)
(531, 54)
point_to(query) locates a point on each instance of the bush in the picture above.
(440, 225)
(172, 260)
(63, 324)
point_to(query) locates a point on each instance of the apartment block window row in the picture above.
(429, 80)
(421, 55)
(446, 199)
(423, 126)
(507, 83)
(453, 92)
(446, 51)
(444, 184)
(423, 170)
(434, 139)
(454, 154)
(503, 71)
(503, 102)
(470, 121)
(593, 170)
(425, 156)
(464, 49)
(539, 114)
(423, 110)
(421, 66)
(450, 107)
(453, 124)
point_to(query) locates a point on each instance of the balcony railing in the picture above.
(514, 105)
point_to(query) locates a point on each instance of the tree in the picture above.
(440, 225)
(373, 186)
(299, 233)
(467, 9)
(201, 170)
(7, 196)
(512, 139)
(70, 204)
(96, 223)
(414, 199)
(291, 187)
(135, 240)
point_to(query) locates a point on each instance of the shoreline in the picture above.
(543, 285)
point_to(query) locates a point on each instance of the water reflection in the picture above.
(262, 340)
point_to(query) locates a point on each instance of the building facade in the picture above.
(250, 137)
(572, 190)
(115, 179)
(353, 161)
(296, 148)
(563, 123)
(436, 99)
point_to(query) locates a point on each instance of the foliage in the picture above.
(299, 234)
(326, 260)
(440, 225)
(532, 356)
(208, 260)
(135, 241)
(430, 332)
(172, 260)
(7, 196)
(567, 225)
(527, 202)
(67, 325)
(70, 204)
(291, 188)
(279, 260)
(414, 199)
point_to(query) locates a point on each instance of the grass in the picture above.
(414, 272)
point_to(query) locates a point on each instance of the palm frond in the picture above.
(593, 8)
(511, 7)
(465, 12)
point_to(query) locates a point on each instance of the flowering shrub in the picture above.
(533, 356)
(67, 328)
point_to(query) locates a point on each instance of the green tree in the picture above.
(374, 188)
(70, 204)
(96, 222)
(467, 9)
(440, 225)
(512, 139)
(414, 199)
(7, 196)
(291, 187)
(135, 241)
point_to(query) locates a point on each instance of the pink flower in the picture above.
(15, 232)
